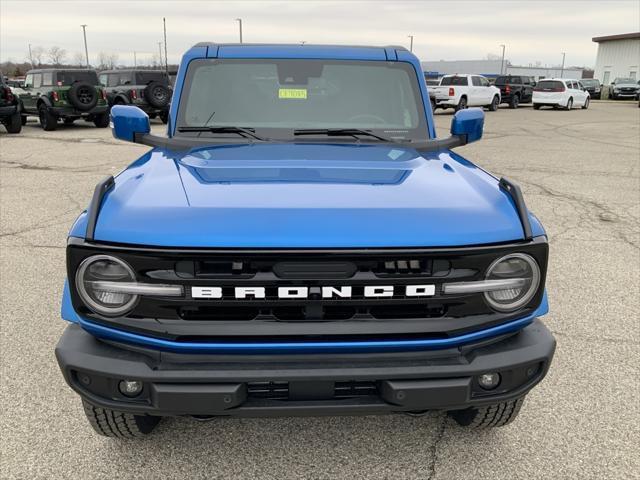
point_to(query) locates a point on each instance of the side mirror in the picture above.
(128, 121)
(468, 123)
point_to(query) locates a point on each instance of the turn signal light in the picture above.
(54, 95)
(134, 94)
(452, 92)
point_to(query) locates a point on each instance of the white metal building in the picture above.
(618, 56)
(492, 68)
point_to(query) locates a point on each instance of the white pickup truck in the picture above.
(462, 91)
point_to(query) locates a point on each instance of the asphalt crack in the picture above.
(434, 448)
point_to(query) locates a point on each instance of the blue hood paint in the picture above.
(305, 196)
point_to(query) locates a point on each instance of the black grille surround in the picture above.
(188, 319)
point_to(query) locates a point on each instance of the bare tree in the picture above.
(36, 54)
(57, 55)
(78, 59)
(107, 61)
(156, 60)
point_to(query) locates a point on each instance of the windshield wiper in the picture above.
(244, 132)
(341, 132)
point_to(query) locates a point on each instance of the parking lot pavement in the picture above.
(580, 171)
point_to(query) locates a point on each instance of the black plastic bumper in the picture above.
(319, 384)
(8, 110)
(72, 112)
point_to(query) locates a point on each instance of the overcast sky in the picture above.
(452, 30)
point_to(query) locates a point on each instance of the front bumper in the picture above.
(311, 384)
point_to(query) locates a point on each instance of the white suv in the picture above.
(560, 92)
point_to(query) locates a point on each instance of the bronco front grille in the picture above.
(313, 316)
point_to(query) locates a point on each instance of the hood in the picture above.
(306, 196)
(626, 85)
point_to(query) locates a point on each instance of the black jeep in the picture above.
(148, 90)
(67, 94)
(9, 108)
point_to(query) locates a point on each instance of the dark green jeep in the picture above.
(67, 94)
(148, 90)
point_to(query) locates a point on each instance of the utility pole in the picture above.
(135, 63)
(31, 57)
(562, 67)
(239, 20)
(411, 44)
(166, 62)
(502, 61)
(86, 50)
(160, 52)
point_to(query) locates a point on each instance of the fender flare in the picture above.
(43, 99)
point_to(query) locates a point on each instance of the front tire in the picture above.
(24, 120)
(586, 104)
(14, 123)
(514, 102)
(491, 416)
(111, 423)
(102, 120)
(493, 106)
(536, 106)
(164, 116)
(570, 103)
(48, 121)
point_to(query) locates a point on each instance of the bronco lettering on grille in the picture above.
(328, 292)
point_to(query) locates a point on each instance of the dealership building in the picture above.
(493, 68)
(618, 56)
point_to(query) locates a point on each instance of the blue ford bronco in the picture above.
(301, 243)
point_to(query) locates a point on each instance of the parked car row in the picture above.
(67, 95)
(461, 91)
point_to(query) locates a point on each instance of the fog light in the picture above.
(130, 388)
(489, 381)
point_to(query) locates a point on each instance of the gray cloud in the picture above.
(532, 30)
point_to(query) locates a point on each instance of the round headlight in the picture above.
(524, 272)
(93, 278)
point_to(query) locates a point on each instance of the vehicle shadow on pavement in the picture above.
(392, 446)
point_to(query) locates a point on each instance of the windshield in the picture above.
(590, 82)
(67, 78)
(382, 97)
(625, 80)
(144, 78)
(460, 81)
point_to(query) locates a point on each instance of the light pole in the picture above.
(239, 20)
(135, 63)
(411, 44)
(562, 67)
(166, 62)
(502, 61)
(160, 52)
(86, 50)
(31, 57)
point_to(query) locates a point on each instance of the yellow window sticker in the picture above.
(299, 93)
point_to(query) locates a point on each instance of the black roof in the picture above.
(61, 69)
(133, 70)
